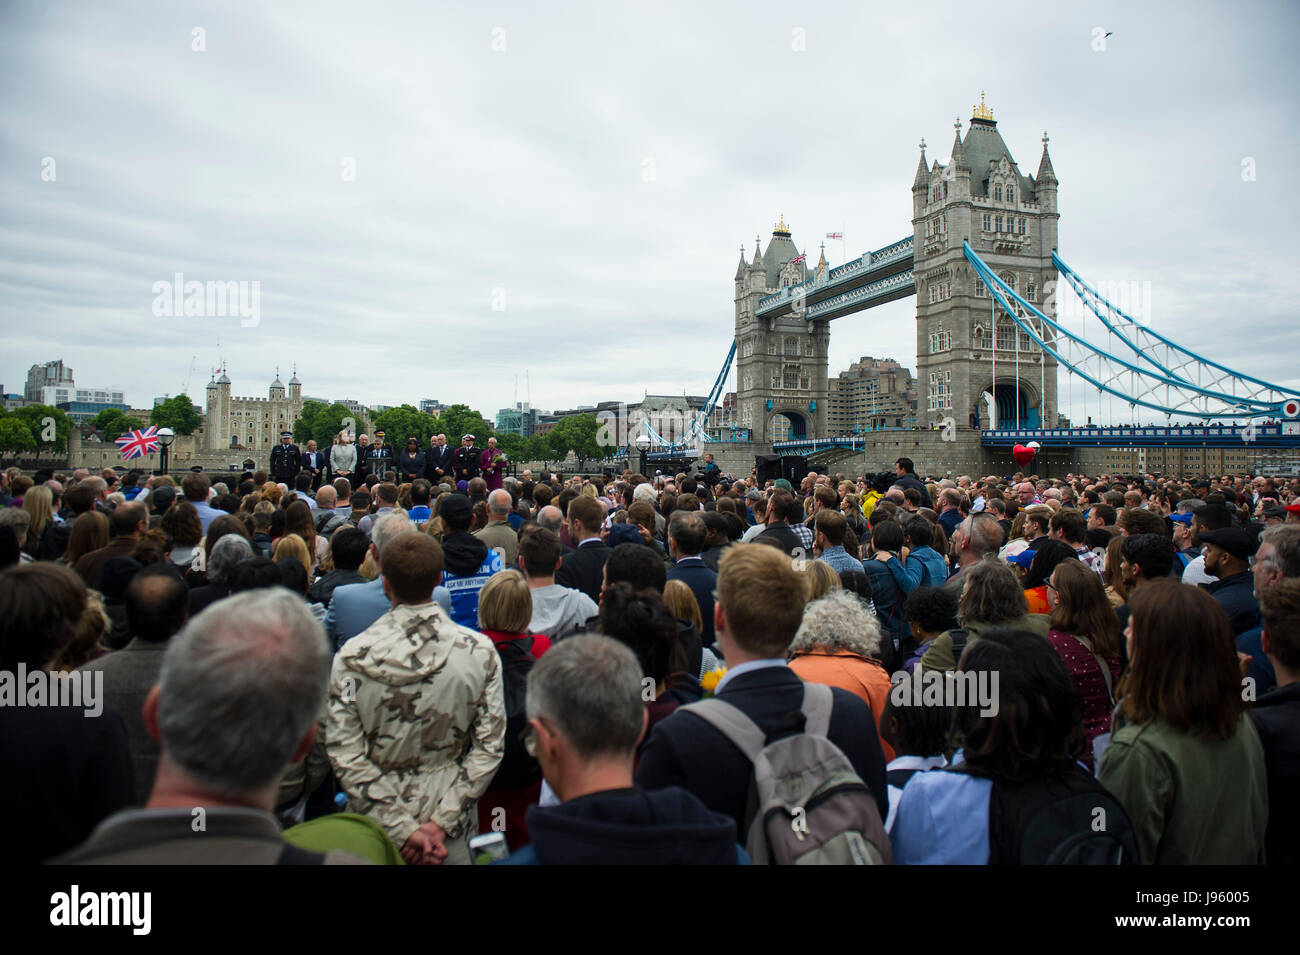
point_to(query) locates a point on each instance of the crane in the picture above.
(189, 375)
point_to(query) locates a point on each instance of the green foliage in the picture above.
(513, 446)
(112, 423)
(405, 421)
(460, 420)
(49, 427)
(320, 422)
(576, 433)
(15, 436)
(177, 413)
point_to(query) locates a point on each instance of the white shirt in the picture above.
(921, 763)
(748, 667)
(1194, 572)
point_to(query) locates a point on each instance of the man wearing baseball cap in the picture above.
(1187, 551)
(1227, 557)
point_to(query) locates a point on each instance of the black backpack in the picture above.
(517, 767)
(1065, 818)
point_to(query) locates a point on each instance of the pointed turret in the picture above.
(757, 262)
(742, 267)
(922, 180)
(1045, 171)
(958, 161)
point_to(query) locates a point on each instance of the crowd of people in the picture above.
(401, 663)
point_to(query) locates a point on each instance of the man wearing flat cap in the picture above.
(466, 459)
(1227, 557)
(286, 460)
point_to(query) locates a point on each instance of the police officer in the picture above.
(286, 460)
(465, 460)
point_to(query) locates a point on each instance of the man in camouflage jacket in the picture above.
(415, 724)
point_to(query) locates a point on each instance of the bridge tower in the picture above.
(1011, 220)
(780, 361)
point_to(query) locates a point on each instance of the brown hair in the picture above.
(89, 532)
(41, 609)
(822, 578)
(1183, 667)
(297, 520)
(1114, 573)
(1082, 608)
(219, 528)
(412, 567)
(181, 523)
(1280, 608)
(832, 524)
(991, 594)
(588, 512)
(763, 597)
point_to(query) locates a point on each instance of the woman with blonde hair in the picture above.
(823, 579)
(505, 605)
(39, 503)
(89, 532)
(343, 455)
(291, 545)
(681, 603)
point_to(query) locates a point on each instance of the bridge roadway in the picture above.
(1284, 434)
(871, 279)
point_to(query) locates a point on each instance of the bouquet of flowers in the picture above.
(498, 460)
(709, 682)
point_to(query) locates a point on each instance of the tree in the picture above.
(577, 433)
(49, 427)
(320, 422)
(460, 420)
(513, 446)
(14, 436)
(406, 421)
(177, 413)
(112, 423)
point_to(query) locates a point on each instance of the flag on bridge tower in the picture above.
(834, 235)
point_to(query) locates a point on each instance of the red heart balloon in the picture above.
(1022, 454)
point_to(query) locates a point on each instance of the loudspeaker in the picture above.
(794, 469)
(767, 467)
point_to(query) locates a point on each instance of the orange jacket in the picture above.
(1036, 597)
(862, 677)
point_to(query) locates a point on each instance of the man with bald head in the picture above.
(497, 533)
(1026, 494)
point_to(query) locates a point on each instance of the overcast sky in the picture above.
(592, 170)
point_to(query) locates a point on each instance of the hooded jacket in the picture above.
(466, 565)
(630, 827)
(415, 724)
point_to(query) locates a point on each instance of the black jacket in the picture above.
(1277, 720)
(1236, 595)
(781, 532)
(465, 463)
(409, 468)
(286, 462)
(911, 480)
(436, 459)
(629, 827)
(694, 573)
(584, 568)
(377, 460)
(685, 751)
(64, 773)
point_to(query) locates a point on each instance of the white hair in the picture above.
(839, 621)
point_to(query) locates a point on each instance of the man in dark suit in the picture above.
(584, 568)
(437, 460)
(780, 506)
(760, 605)
(686, 536)
(157, 605)
(286, 460)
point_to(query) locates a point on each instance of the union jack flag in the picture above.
(136, 444)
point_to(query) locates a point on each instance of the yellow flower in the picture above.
(710, 680)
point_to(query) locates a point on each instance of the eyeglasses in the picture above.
(528, 736)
